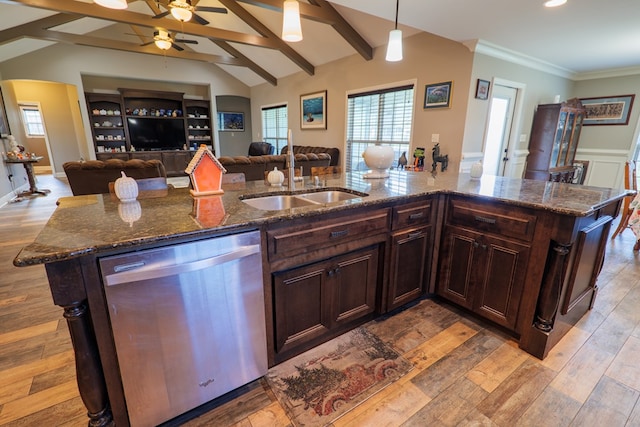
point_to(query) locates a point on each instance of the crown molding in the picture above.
(495, 51)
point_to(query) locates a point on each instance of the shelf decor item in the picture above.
(607, 110)
(313, 110)
(438, 95)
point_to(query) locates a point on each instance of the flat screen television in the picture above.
(148, 134)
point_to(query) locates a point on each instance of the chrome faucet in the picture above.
(291, 161)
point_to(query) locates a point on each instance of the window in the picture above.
(275, 126)
(380, 116)
(32, 119)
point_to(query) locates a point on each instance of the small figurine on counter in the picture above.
(402, 161)
(438, 158)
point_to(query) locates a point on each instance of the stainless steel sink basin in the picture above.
(278, 202)
(330, 196)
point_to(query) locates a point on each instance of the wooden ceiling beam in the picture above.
(323, 12)
(20, 31)
(126, 17)
(249, 64)
(287, 50)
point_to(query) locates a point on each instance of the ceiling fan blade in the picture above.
(176, 47)
(186, 41)
(161, 15)
(147, 43)
(200, 19)
(210, 9)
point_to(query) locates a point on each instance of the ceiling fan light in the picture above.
(112, 4)
(291, 28)
(394, 47)
(181, 11)
(162, 40)
(554, 3)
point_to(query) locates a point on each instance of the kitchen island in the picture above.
(540, 243)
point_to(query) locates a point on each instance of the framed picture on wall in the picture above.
(607, 110)
(231, 122)
(482, 89)
(313, 110)
(438, 95)
(4, 123)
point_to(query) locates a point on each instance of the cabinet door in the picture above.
(408, 269)
(146, 155)
(354, 281)
(302, 304)
(503, 265)
(175, 162)
(458, 258)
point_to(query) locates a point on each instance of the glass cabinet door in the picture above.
(577, 127)
(557, 141)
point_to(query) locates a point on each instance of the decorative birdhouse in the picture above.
(205, 172)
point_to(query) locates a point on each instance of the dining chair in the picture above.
(630, 183)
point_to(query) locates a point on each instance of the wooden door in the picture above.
(408, 270)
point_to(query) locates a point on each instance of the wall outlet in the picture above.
(435, 137)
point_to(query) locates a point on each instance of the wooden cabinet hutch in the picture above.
(554, 140)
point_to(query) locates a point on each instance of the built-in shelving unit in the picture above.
(149, 125)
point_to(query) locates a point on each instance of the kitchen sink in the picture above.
(311, 198)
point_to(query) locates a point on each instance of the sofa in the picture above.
(94, 176)
(305, 149)
(255, 167)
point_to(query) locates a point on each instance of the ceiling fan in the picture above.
(183, 11)
(164, 40)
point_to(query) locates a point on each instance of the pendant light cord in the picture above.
(397, 8)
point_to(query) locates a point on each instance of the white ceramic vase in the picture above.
(379, 159)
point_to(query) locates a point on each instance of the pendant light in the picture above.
(112, 4)
(291, 29)
(394, 48)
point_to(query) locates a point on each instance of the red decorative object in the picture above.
(205, 172)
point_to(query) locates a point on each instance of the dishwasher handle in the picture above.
(155, 272)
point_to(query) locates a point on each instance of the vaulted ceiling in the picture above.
(581, 37)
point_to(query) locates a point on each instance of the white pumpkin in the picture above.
(126, 188)
(275, 177)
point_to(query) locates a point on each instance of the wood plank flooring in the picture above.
(466, 373)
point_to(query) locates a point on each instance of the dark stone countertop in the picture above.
(92, 224)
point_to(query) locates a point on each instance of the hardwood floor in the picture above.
(466, 373)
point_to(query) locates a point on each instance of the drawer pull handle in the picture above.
(414, 234)
(340, 233)
(485, 219)
(416, 215)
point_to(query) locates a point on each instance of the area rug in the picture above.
(321, 385)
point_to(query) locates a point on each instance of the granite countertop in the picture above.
(96, 223)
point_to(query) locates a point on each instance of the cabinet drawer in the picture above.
(496, 219)
(305, 238)
(411, 214)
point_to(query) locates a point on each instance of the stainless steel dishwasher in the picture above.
(188, 323)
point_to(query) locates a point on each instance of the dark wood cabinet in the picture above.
(482, 272)
(107, 122)
(326, 277)
(315, 301)
(555, 134)
(484, 257)
(411, 251)
(198, 114)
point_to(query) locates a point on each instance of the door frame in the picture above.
(516, 125)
